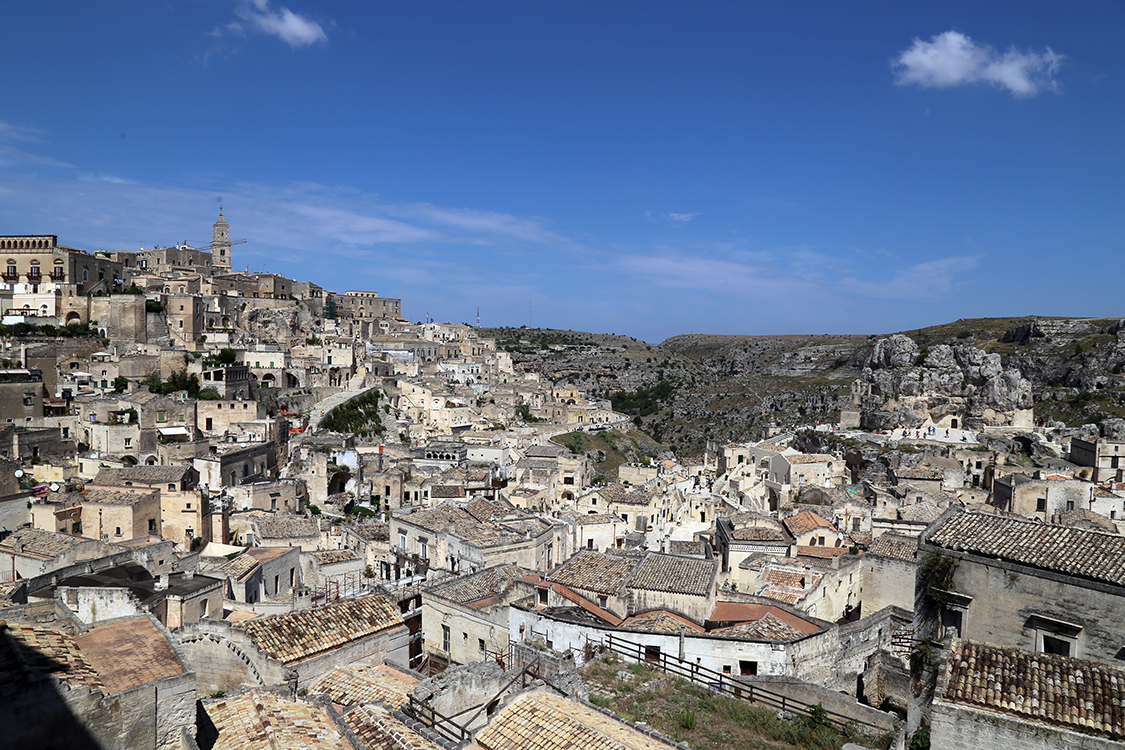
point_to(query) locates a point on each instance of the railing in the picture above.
(721, 682)
(439, 722)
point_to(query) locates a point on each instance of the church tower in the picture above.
(220, 245)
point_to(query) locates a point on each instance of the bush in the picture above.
(153, 306)
(686, 719)
(314, 510)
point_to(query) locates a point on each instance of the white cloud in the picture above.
(683, 217)
(922, 281)
(294, 29)
(953, 59)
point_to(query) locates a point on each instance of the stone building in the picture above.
(1035, 586)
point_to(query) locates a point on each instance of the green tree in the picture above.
(120, 383)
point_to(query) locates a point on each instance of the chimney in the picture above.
(162, 582)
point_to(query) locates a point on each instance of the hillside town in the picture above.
(239, 510)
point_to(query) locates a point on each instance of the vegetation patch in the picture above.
(360, 416)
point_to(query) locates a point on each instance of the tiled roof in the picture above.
(480, 585)
(171, 474)
(129, 653)
(806, 521)
(239, 567)
(285, 526)
(809, 458)
(379, 730)
(611, 493)
(292, 636)
(1077, 694)
(549, 722)
(40, 543)
(355, 684)
(769, 628)
(260, 720)
(436, 519)
(822, 552)
(1065, 549)
(660, 622)
(593, 571)
(759, 534)
(679, 575)
(894, 546)
(372, 531)
(331, 556)
(786, 595)
(923, 511)
(44, 651)
(484, 509)
(642, 496)
(447, 491)
(790, 578)
(592, 519)
(687, 547)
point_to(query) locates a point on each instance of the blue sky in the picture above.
(647, 168)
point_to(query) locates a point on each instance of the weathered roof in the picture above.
(285, 526)
(355, 684)
(769, 628)
(689, 547)
(923, 511)
(129, 653)
(238, 567)
(806, 521)
(481, 585)
(40, 543)
(42, 651)
(660, 622)
(171, 474)
(260, 720)
(293, 636)
(894, 546)
(446, 491)
(379, 730)
(592, 519)
(594, 571)
(1065, 549)
(484, 509)
(679, 575)
(810, 458)
(759, 534)
(550, 722)
(1081, 695)
(332, 556)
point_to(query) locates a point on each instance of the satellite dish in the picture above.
(54, 487)
(19, 473)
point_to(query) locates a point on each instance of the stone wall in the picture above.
(226, 659)
(887, 582)
(955, 727)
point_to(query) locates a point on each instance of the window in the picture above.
(821, 542)
(1054, 636)
(1041, 505)
(402, 540)
(747, 668)
(726, 669)
(128, 442)
(602, 601)
(570, 480)
(445, 639)
(855, 524)
(589, 544)
(151, 525)
(118, 532)
(543, 596)
(1070, 505)
(161, 416)
(203, 609)
(465, 637)
(480, 645)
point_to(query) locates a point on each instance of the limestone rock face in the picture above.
(909, 386)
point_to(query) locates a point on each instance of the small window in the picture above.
(589, 544)
(1040, 505)
(602, 601)
(480, 645)
(543, 596)
(151, 525)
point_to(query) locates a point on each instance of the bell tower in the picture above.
(220, 245)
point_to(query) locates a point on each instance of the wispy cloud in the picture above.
(679, 218)
(953, 59)
(14, 140)
(256, 16)
(922, 281)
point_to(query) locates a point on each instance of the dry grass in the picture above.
(700, 717)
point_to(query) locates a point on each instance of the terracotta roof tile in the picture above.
(1077, 552)
(1081, 695)
(594, 571)
(806, 521)
(259, 720)
(44, 651)
(40, 543)
(894, 546)
(480, 585)
(769, 628)
(129, 653)
(292, 636)
(679, 575)
(548, 722)
(379, 730)
(357, 684)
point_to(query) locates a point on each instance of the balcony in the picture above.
(58, 275)
(11, 274)
(34, 277)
